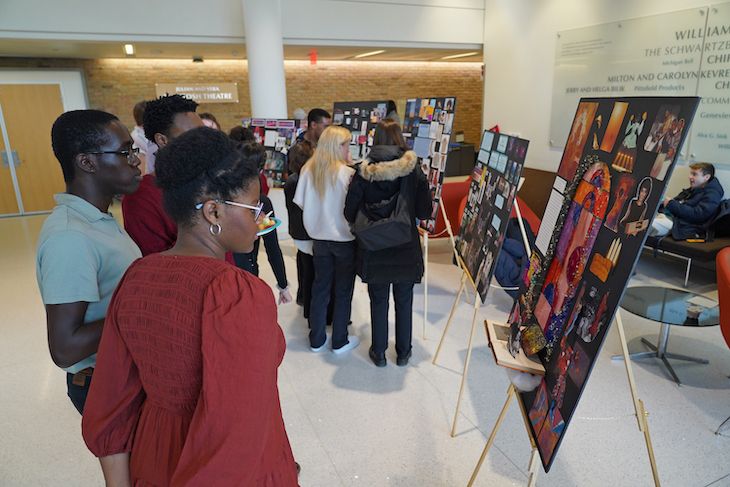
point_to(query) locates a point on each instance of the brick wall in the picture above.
(115, 85)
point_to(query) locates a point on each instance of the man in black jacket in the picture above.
(691, 210)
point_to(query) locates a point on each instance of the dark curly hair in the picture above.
(76, 132)
(298, 155)
(159, 114)
(255, 152)
(240, 133)
(202, 163)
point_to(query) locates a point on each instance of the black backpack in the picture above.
(384, 224)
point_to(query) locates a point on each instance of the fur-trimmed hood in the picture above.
(388, 170)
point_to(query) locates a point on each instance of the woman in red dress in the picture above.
(185, 386)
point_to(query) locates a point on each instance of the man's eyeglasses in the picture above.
(256, 209)
(130, 154)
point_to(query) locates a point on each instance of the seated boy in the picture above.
(687, 214)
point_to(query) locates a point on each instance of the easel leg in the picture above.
(641, 413)
(532, 467)
(466, 363)
(451, 316)
(425, 282)
(493, 434)
(649, 446)
(525, 241)
(629, 368)
(447, 223)
(532, 470)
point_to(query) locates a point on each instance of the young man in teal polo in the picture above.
(82, 251)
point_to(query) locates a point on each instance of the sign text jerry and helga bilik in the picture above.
(684, 53)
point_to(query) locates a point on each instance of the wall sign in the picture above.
(201, 93)
(683, 53)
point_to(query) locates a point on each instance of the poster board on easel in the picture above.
(277, 136)
(427, 127)
(492, 192)
(619, 155)
(360, 118)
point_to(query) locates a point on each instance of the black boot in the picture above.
(377, 358)
(403, 361)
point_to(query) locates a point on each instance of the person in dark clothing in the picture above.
(378, 178)
(318, 119)
(513, 259)
(694, 207)
(249, 261)
(298, 155)
(244, 135)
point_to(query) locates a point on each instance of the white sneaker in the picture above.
(326, 344)
(353, 342)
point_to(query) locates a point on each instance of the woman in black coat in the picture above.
(378, 178)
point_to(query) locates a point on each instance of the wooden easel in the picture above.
(425, 235)
(640, 412)
(465, 277)
(450, 231)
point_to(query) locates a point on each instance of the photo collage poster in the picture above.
(618, 159)
(427, 128)
(360, 118)
(492, 192)
(277, 136)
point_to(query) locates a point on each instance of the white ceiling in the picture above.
(96, 50)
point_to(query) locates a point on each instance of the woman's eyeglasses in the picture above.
(256, 209)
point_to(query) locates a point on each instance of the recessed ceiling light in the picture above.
(129, 49)
(371, 53)
(456, 56)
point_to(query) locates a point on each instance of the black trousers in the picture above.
(334, 265)
(78, 393)
(379, 301)
(305, 276)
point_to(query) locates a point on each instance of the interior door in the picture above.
(29, 111)
(8, 202)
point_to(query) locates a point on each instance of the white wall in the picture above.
(70, 81)
(400, 22)
(336, 22)
(519, 55)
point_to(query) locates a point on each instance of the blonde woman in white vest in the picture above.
(321, 192)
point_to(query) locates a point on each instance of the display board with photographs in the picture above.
(618, 158)
(360, 118)
(492, 192)
(427, 128)
(277, 136)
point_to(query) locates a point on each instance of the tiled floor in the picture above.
(351, 423)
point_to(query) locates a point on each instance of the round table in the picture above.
(669, 307)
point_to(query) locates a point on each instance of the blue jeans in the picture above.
(78, 393)
(334, 264)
